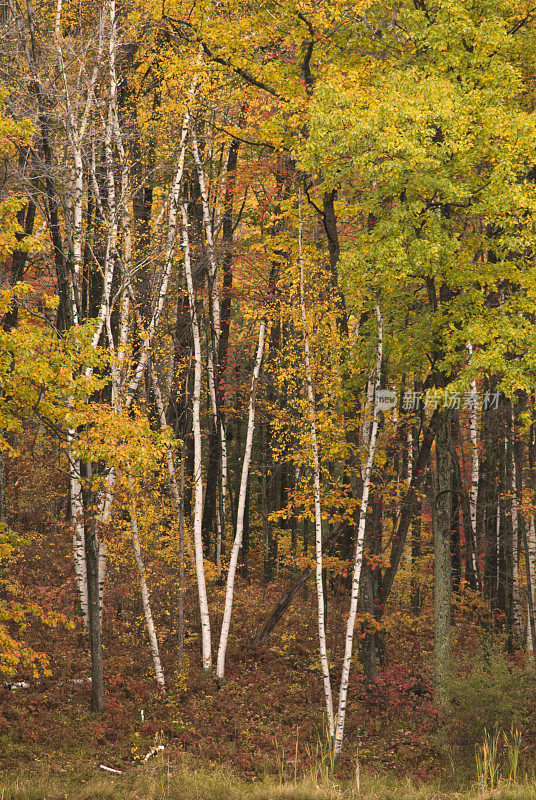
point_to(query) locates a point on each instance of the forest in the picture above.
(267, 399)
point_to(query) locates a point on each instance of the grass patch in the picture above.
(189, 783)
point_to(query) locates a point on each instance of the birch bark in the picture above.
(77, 521)
(367, 473)
(151, 632)
(229, 590)
(124, 390)
(475, 467)
(531, 573)
(213, 262)
(74, 137)
(198, 476)
(516, 601)
(169, 252)
(324, 660)
(214, 337)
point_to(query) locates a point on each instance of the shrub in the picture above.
(498, 694)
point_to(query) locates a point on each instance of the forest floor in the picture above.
(266, 718)
(264, 725)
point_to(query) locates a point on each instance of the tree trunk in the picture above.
(530, 561)
(324, 660)
(79, 553)
(368, 650)
(182, 576)
(197, 471)
(516, 540)
(345, 674)
(229, 590)
(442, 557)
(506, 573)
(415, 592)
(95, 641)
(488, 503)
(151, 632)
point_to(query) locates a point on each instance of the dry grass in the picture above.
(188, 783)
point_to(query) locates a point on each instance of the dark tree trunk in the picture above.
(367, 650)
(267, 571)
(211, 491)
(289, 594)
(26, 219)
(415, 591)
(455, 544)
(407, 509)
(92, 567)
(228, 255)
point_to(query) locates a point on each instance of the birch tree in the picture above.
(214, 317)
(358, 561)
(206, 645)
(146, 603)
(530, 557)
(237, 543)
(324, 660)
(516, 600)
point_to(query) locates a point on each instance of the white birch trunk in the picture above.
(345, 674)
(324, 660)
(211, 366)
(151, 632)
(102, 573)
(409, 477)
(120, 390)
(516, 601)
(74, 194)
(103, 315)
(79, 553)
(75, 479)
(105, 501)
(237, 543)
(103, 518)
(475, 469)
(170, 249)
(176, 493)
(473, 494)
(198, 476)
(366, 427)
(93, 174)
(220, 428)
(126, 225)
(213, 262)
(214, 338)
(168, 263)
(224, 473)
(532, 572)
(473, 497)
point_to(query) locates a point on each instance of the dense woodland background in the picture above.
(227, 229)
